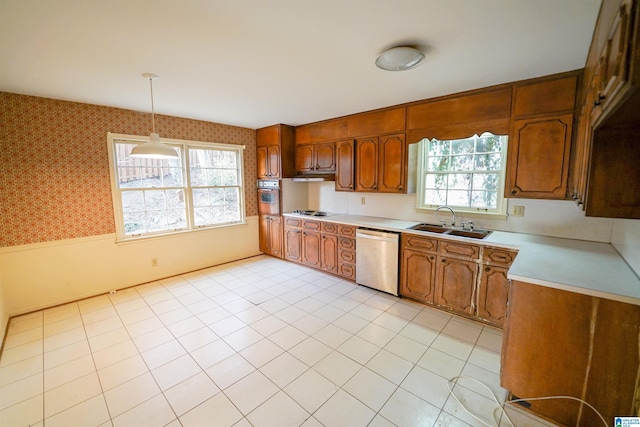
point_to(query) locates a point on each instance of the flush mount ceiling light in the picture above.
(399, 58)
(154, 149)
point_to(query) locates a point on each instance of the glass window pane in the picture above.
(132, 201)
(462, 146)
(484, 199)
(201, 197)
(438, 164)
(134, 223)
(488, 181)
(156, 221)
(460, 181)
(435, 197)
(175, 199)
(171, 177)
(439, 148)
(486, 162)
(198, 176)
(230, 177)
(489, 144)
(458, 198)
(436, 181)
(154, 200)
(462, 163)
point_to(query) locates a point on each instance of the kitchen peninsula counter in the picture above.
(583, 267)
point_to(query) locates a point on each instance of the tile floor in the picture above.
(257, 342)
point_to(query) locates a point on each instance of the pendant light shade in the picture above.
(399, 58)
(154, 149)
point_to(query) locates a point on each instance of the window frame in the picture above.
(500, 212)
(183, 146)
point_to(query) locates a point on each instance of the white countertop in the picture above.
(584, 267)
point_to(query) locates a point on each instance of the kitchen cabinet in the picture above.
(559, 343)
(455, 283)
(319, 245)
(271, 231)
(318, 157)
(468, 279)
(606, 176)
(347, 251)
(380, 164)
(345, 162)
(275, 152)
(418, 268)
(540, 138)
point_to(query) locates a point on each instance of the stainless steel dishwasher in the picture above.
(377, 260)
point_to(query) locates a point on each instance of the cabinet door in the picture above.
(455, 282)
(418, 273)
(329, 253)
(273, 161)
(367, 164)
(325, 157)
(493, 293)
(275, 236)
(311, 249)
(263, 162)
(264, 231)
(304, 158)
(391, 176)
(538, 157)
(293, 244)
(344, 165)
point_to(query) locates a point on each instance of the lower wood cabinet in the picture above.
(467, 279)
(270, 229)
(560, 343)
(325, 246)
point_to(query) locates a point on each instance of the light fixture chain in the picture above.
(153, 114)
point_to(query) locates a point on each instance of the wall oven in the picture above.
(268, 197)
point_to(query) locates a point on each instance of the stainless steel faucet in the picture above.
(453, 214)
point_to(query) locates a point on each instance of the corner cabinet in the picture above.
(275, 152)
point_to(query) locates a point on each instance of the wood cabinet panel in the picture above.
(304, 158)
(457, 109)
(348, 271)
(538, 157)
(318, 157)
(329, 253)
(419, 243)
(346, 255)
(329, 130)
(311, 248)
(346, 242)
(311, 225)
(270, 232)
(268, 159)
(551, 96)
(329, 227)
(293, 243)
(459, 250)
(377, 122)
(417, 277)
(367, 164)
(498, 256)
(275, 152)
(455, 284)
(392, 157)
(493, 294)
(345, 163)
(347, 230)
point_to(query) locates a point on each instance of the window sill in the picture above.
(173, 234)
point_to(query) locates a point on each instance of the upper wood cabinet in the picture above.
(605, 174)
(538, 157)
(380, 164)
(345, 164)
(376, 123)
(275, 152)
(319, 157)
(541, 136)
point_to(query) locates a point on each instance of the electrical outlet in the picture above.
(362, 200)
(154, 262)
(517, 211)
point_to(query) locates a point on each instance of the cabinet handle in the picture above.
(431, 258)
(487, 269)
(443, 260)
(351, 187)
(514, 191)
(599, 100)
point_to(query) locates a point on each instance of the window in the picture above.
(200, 189)
(466, 174)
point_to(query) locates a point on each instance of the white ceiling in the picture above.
(254, 63)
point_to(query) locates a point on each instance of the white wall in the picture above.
(45, 274)
(626, 240)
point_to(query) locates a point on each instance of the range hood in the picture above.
(314, 177)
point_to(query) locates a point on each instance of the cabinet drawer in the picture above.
(347, 271)
(346, 230)
(311, 225)
(346, 243)
(499, 257)
(459, 250)
(345, 255)
(329, 227)
(419, 243)
(293, 222)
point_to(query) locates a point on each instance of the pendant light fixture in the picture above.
(399, 58)
(154, 149)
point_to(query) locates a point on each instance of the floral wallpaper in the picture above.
(54, 171)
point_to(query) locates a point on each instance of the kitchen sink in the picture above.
(436, 228)
(431, 228)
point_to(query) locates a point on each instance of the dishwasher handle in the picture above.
(376, 235)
